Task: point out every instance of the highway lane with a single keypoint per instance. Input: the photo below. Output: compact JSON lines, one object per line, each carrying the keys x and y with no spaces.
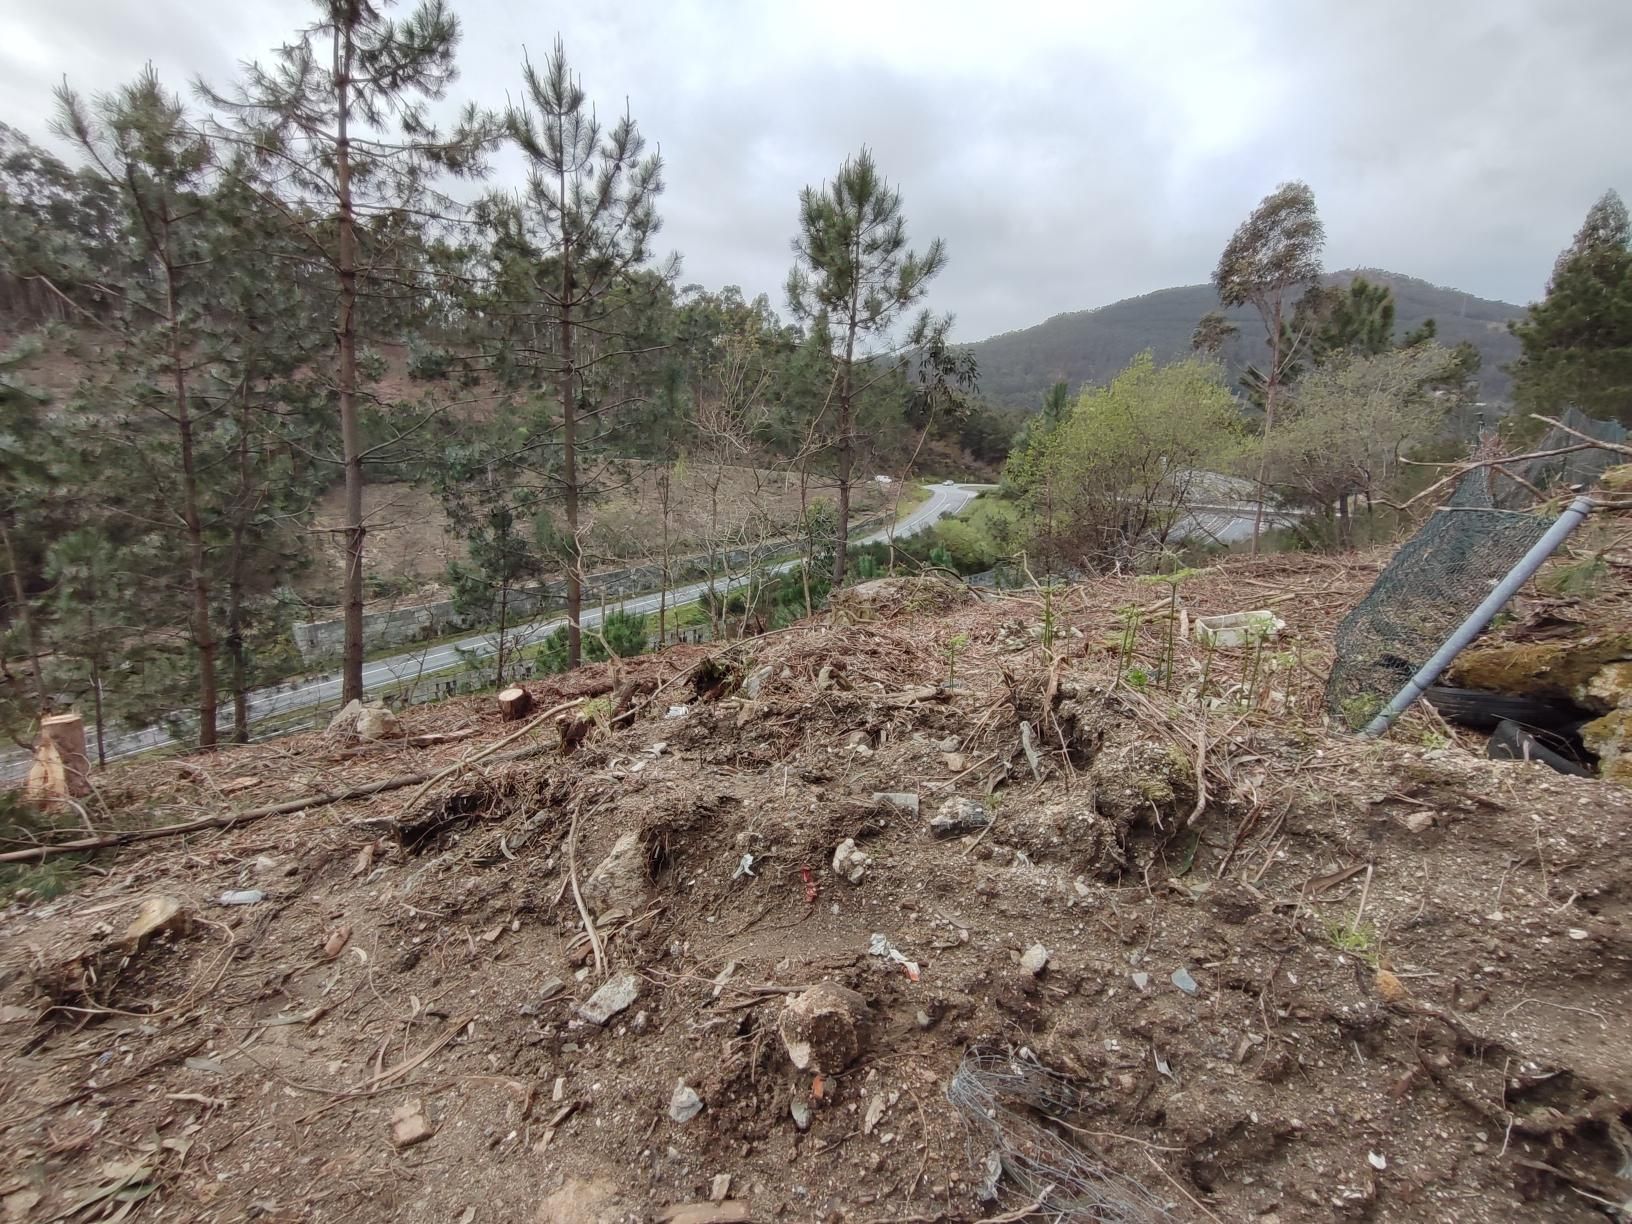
{"x":295,"y":696}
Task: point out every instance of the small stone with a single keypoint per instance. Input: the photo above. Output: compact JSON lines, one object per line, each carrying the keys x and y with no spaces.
{"x":756,"y":681}
{"x":1377,"y":1161}
{"x":1141,"y":980}
{"x":850,"y":862}
{"x":826,"y":1028}
{"x":1183,"y":980}
{"x":720,"y":1189}
{"x":613,"y":997}
{"x":959,"y":815}
{"x":409,"y":1125}
{"x":685,"y":1104}
{"x":1577,"y":933}
{"x":800,"y":1112}
{"x":955,"y":762}
{"x":640,"y":1023}
{"x":1035,"y":959}
{"x":924,"y":1020}
{"x":949,"y":744}
{"x":875,"y":1113}
{"x":1419,"y":822}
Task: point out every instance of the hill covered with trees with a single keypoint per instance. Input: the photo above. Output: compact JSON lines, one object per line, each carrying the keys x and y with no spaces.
{"x":1089,"y":347}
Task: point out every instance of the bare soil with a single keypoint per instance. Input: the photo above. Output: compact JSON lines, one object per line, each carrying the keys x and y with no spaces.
{"x":1410,"y":964}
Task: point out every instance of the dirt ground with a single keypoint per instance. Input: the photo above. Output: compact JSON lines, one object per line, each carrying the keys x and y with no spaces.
{"x":1344,"y":980}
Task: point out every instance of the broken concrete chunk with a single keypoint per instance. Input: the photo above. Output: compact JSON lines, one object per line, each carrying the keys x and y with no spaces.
{"x":825,"y":1029}
{"x":685,"y":1104}
{"x":901,"y":801}
{"x":720,"y":1188}
{"x":800,"y":1113}
{"x":613,"y":997}
{"x":959,"y":815}
{"x":157,"y":914}
{"x":850,"y":862}
{"x":1035,"y":959}
{"x":619,"y":881}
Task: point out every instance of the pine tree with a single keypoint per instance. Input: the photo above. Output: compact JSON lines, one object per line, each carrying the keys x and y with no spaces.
{"x":573,"y":270}
{"x":140,"y":141}
{"x":854,"y":270}
{"x":1577,"y":342}
{"x":340,"y":119}
{"x":1272,"y":258}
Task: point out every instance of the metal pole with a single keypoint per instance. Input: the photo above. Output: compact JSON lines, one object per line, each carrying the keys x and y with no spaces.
{"x":1481,"y":616}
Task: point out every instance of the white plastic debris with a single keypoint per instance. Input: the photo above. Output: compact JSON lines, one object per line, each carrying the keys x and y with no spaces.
{"x":1376,"y":1160}
{"x":242,"y":896}
{"x":677,"y":711}
{"x":878,"y":945}
{"x":745,"y":867}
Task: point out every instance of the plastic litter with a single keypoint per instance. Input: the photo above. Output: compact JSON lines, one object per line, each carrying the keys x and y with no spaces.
{"x":242,"y":896}
{"x":878,"y":945}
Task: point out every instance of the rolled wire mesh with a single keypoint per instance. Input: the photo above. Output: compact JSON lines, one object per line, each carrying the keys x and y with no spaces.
{"x":1436,"y":579}
{"x":1018,"y":1108}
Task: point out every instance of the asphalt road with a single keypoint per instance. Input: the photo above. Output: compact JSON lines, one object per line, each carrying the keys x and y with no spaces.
{"x":298,"y":695}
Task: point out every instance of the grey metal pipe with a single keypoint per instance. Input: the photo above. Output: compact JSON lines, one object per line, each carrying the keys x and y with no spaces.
{"x":1481,"y":616}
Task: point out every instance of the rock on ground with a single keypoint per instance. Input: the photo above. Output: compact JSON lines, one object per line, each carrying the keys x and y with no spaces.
{"x":826,"y":1029}
{"x":619,"y":881}
{"x":613,"y":997}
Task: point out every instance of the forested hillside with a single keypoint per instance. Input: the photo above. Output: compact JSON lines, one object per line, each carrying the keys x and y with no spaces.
{"x":1091,"y":346}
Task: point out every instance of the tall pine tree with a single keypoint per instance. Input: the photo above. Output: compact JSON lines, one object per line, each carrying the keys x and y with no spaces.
{"x":853,"y":269}
{"x":340,"y":119}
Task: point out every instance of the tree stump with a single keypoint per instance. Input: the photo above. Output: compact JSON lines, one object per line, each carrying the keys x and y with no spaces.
{"x":514,"y":703}
{"x":60,"y":769}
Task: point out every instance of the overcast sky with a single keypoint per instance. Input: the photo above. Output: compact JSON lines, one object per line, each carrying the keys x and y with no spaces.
{"x":1069,"y":154}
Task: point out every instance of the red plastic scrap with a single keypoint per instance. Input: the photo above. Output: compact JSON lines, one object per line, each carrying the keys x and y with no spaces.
{"x":812,"y":889}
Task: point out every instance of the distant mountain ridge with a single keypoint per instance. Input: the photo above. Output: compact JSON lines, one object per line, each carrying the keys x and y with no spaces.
{"x":1090,"y":346}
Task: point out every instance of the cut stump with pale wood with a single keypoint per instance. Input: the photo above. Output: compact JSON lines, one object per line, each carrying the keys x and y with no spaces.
{"x":514,"y":703}
{"x":61,"y":769}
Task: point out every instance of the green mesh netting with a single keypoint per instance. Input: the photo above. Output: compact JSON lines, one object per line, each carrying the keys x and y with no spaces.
{"x":1435,"y":580}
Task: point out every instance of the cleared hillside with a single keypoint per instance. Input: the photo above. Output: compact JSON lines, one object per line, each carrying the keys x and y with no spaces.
{"x":1090,"y":346}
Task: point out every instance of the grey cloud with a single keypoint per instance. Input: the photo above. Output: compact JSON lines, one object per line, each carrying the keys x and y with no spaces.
{"x":1069,"y":155}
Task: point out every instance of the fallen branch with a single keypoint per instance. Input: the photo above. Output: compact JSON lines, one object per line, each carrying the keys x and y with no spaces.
{"x":578,"y":897}
{"x":230,"y":820}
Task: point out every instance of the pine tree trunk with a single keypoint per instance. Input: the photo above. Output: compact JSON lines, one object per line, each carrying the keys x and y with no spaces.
{"x":235,"y":585}
{"x":203,"y":635}
{"x":351,"y":681}
{"x":842,"y":531}
{"x":96,"y":701}
{"x":26,"y":616}
{"x":569,"y":461}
